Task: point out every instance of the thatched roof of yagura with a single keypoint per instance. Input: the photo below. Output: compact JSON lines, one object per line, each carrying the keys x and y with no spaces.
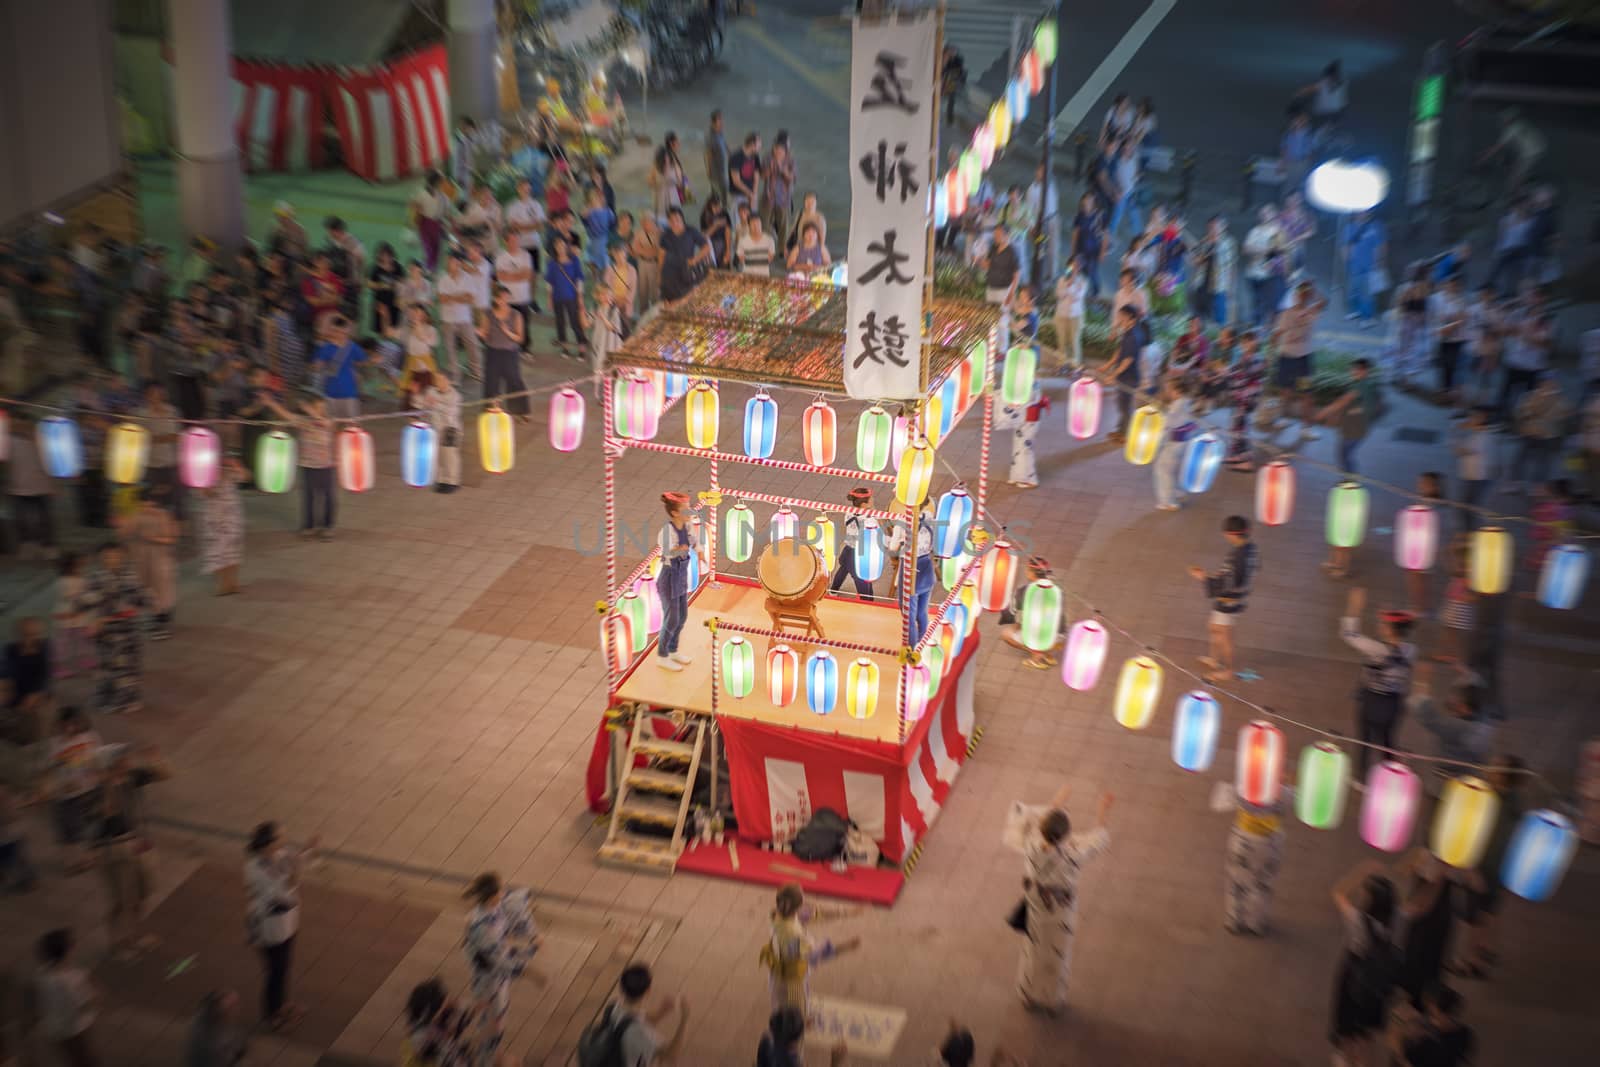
{"x":737,"y":327}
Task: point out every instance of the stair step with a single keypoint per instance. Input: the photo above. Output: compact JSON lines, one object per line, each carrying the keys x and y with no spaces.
{"x":660,"y":746}
{"x":645,"y":808}
{"x":657,"y":781}
{"x":640,"y":852}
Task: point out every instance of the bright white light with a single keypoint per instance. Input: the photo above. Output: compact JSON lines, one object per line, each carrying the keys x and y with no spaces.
{"x":1345,"y":187}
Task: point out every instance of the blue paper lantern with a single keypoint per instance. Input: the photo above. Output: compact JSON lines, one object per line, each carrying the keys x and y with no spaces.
{"x":869,"y":553}
{"x":1539,"y":854}
{"x":822,"y":682}
{"x":676,"y":384}
{"x":60,"y":447}
{"x":1566,"y":569}
{"x":418,"y":443}
{"x":760,"y":426}
{"x":956,"y":616}
{"x":1017,"y":99}
{"x":950,"y":398}
{"x":1201,"y":461}
{"x":941,"y":207}
{"x":1194,"y":736}
{"x":693,"y":570}
{"x":951,"y":522}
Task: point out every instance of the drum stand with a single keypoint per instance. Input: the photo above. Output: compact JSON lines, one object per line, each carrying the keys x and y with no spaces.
{"x":795,"y":616}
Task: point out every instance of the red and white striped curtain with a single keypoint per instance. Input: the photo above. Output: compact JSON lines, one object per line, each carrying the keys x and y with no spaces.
{"x":394,"y":120}
{"x":277,"y":114}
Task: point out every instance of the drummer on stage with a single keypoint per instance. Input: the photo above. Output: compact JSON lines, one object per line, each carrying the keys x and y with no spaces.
{"x":673,"y":583}
{"x":859,"y":497}
{"x":922,"y":584}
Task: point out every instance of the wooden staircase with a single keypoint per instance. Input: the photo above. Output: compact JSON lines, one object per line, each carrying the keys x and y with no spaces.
{"x":656,"y":795}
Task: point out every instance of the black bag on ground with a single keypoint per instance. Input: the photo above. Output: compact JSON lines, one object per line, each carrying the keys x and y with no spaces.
{"x":822,"y":838}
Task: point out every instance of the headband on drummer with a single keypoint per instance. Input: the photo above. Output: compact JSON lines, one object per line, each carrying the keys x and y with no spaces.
{"x":674,"y":501}
{"x":859,"y":497}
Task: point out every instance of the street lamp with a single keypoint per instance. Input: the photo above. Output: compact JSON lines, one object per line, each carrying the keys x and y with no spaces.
{"x":1346,"y":187}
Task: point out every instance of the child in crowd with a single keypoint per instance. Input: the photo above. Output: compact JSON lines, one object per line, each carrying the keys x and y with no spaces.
{"x":605,"y":334}
{"x":1024,"y":316}
{"x":1011,"y":621}
{"x":1229,"y":590}
{"x":1458,"y":614}
{"x":597,"y":222}
{"x":1180,"y":427}
{"x":441,"y":401}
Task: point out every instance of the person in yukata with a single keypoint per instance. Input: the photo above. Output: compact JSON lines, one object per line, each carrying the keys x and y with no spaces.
{"x":1054,"y":859}
{"x":859,"y":497}
{"x":791,"y":951}
{"x":500,"y":941}
{"x":1255,"y":849}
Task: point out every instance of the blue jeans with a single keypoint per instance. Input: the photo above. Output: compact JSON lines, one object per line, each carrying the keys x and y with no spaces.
{"x":922,"y":584}
{"x":674,"y":610}
{"x":1129,"y":206}
{"x":1362,"y":305}
{"x":1347,"y":453}
{"x":1219,"y":309}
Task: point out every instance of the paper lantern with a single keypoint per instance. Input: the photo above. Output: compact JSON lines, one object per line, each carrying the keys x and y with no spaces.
{"x":1144,"y":436}
{"x":1464,"y":821}
{"x":861,"y":689}
{"x":968,"y":598}
{"x":418,"y":449}
{"x":870,"y":552}
{"x":941,"y":205}
{"x":616,"y":641}
{"x":1083,"y":408}
{"x":1275,"y":493}
{"x":275,"y":462}
{"x":997,"y":574}
{"x":932,"y":417}
{"x":983,"y":144}
{"x":1321,"y":785}
{"x":1044,"y":39}
{"x":1489,"y":562}
{"x":952,"y":521}
{"x":1018,"y":97}
{"x":739,"y":533}
{"x":785,"y":523}
{"x":873,"y":431}
{"x":1416,"y":537}
{"x":701,"y":410}
{"x":952,"y":398}
{"x":915,"y":676}
{"x":633,"y":607}
{"x":934,"y":659}
{"x":971,"y":170}
{"x":899,"y":437}
{"x":1000,"y":122}
{"x":675,"y":384}
{"x":637,"y":400}
{"x":1033,"y":70}
{"x":916,"y":473}
{"x":760,"y":426}
{"x":783,"y":675}
{"x":823,"y":535}
{"x":1540,"y":852}
{"x":1041,"y":615}
{"x":1194,"y":730}
{"x":127,"y":449}
{"x":651,"y":596}
{"x":1138,"y":689}
{"x":955,"y":618}
{"x":1202,"y":458}
{"x":963,"y":374}
{"x":358,"y":467}
{"x":1086,"y":654}
{"x":978,"y":360}
{"x":199,"y":457}
{"x":1566,"y":568}
{"x":1347,"y":514}
{"x":1258,"y":764}
{"x":1016,"y":380}
{"x":951,"y":568}
{"x":955,"y":184}
{"x":566,"y":419}
{"x":822,"y":682}
{"x":1390,"y":805}
{"x":819,"y":429}
{"x":692,"y":577}
{"x":497,"y":444}
{"x":738,"y":667}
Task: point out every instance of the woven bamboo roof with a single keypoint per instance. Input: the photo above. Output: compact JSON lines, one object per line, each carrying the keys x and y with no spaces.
{"x":737,"y":327}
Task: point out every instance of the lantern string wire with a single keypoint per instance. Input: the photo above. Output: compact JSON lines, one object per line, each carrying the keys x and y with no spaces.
{"x":1151,"y":650}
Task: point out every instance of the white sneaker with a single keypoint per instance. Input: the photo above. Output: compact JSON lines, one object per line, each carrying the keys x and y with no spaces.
{"x":667,"y":664}
{"x":679,"y":657}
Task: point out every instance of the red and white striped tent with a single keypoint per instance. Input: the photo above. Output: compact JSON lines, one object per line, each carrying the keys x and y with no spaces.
{"x":277,"y":114}
{"x":394,"y":120}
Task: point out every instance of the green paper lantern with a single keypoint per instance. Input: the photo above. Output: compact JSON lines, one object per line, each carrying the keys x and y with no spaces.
{"x":874,"y":431}
{"x":275,"y":462}
{"x":1041,"y":615}
{"x":971,"y":170}
{"x":1045,"y":40}
{"x":979,"y":358}
{"x":950,"y":568}
{"x":1321,"y":786}
{"x":738,"y":667}
{"x":637,"y":611}
{"x":1347,"y":514}
{"x":739,"y":533}
{"x":1016,"y":387}
{"x":933,"y":659}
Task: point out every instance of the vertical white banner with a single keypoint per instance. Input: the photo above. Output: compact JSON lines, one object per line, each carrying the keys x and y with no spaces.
{"x":892,"y":74}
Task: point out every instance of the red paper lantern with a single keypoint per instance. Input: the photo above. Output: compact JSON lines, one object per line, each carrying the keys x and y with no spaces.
{"x":997,"y":574}
{"x":1275,"y":493}
{"x":357,"y":465}
{"x":820,"y":431}
{"x":1033,"y":70}
{"x":1259,"y":767}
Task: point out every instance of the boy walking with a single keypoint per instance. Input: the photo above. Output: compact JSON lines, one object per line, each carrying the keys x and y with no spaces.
{"x":1229,"y":588}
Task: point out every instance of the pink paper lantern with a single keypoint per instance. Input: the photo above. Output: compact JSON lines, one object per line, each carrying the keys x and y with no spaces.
{"x":1389,"y":807}
{"x":1083,"y":408}
{"x":566,"y":419}
{"x":1085,"y":655}
{"x":1259,"y":763}
{"x":199,"y":457}
{"x":1416,"y":537}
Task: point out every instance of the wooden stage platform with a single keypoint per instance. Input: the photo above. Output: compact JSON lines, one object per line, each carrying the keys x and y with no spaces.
{"x":845,"y":619}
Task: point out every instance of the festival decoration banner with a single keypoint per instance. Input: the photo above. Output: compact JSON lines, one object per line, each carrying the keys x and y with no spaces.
{"x":891,"y":130}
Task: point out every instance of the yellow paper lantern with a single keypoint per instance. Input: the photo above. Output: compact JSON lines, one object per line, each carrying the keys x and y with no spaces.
{"x":1464,"y":821}
{"x":127,"y":449}
{"x":916,"y":473}
{"x":701,"y":412}
{"x":823,"y":536}
{"x":1137,"y":692}
{"x":1489,"y":569}
{"x":1144,"y":436}
{"x":861,"y":689}
{"x":496,"y":442}
{"x":1000,"y":123}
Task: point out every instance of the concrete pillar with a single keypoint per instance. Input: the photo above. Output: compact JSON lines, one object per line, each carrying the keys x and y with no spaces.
{"x":474,"y":47}
{"x":210,"y":182}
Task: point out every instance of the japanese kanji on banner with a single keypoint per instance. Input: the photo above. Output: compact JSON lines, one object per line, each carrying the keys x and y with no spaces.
{"x":891,"y":131}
